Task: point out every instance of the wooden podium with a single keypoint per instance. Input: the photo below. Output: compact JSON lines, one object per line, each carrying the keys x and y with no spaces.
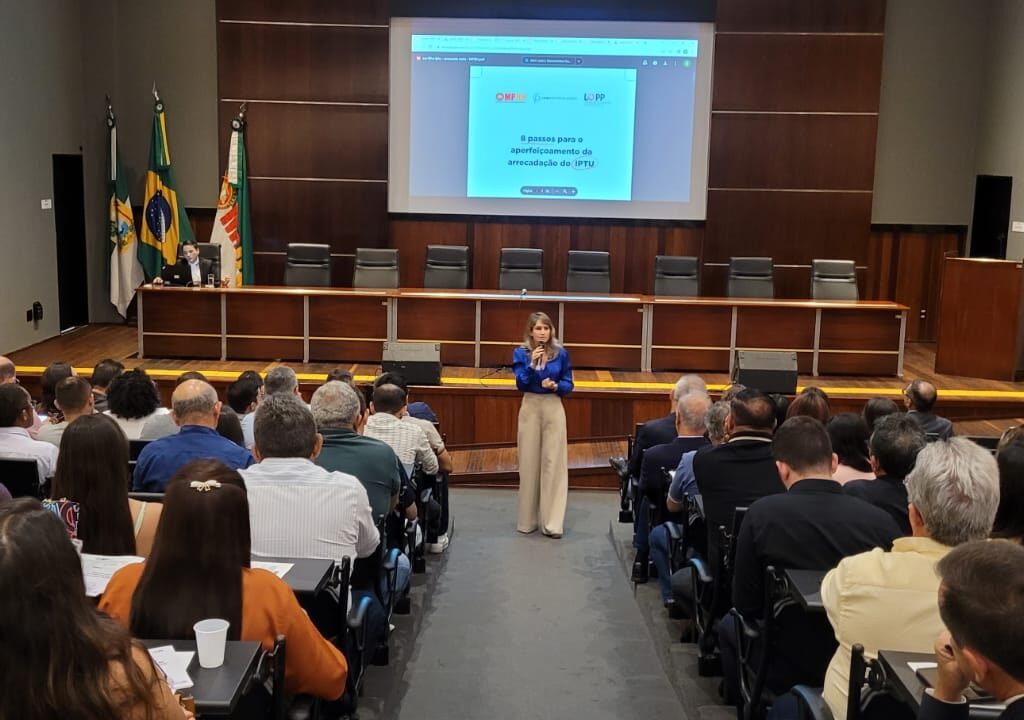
{"x":980,"y":320}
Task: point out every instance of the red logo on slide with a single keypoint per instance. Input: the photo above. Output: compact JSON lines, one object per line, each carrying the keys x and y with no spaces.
{"x":516,"y":97}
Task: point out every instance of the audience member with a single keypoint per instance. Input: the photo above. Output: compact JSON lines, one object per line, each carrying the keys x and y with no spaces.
{"x":407,"y":440}
{"x":74,"y":398}
{"x":53,"y":374}
{"x":781,"y":407}
{"x":418,"y":410}
{"x":132,"y":400}
{"x":244,"y":395}
{"x":661,"y":430}
{"x":16,"y":417}
{"x":160,"y":426}
{"x":732,"y":391}
{"x":229,"y":426}
{"x":92,"y":472}
{"x":849,"y":435}
{"x":740,"y":471}
{"x":60,"y":657}
{"x":196,"y":410}
{"x":200,"y":568}
{"x":877,"y":408}
{"x":689,"y":424}
{"x":1009,"y":522}
{"x":102,"y":374}
{"x":811,"y":402}
{"x":444,"y":460}
{"x":920,"y":397}
{"x":887,"y":599}
{"x":981,"y":600}
{"x":8,"y":373}
{"x":894,"y":446}
{"x":282,"y":381}
{"x":339,"y":375}
{"x":812,"y":526}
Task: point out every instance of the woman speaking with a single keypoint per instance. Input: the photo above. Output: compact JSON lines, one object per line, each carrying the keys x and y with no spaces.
{"x":544,"y":375}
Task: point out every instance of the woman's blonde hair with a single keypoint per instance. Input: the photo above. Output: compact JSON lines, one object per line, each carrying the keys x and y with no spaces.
{"x":554,"y":346}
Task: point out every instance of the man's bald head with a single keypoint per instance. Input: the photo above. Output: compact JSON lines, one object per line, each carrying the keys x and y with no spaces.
{"x":194,"y":402}
{"x":7,"y":371}
{"x":690,"y":411}
{"x":921,"y":396}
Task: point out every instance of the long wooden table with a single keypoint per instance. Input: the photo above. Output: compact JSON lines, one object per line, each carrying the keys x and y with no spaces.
{"x":481,"y":328}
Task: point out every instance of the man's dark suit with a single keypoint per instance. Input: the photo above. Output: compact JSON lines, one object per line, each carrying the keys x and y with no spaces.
{"x":184,"y":272}
{"x":651,"y":433}
{"x":933,"y":424}
{"x":652,"y":485}
{"x":886,"y":492}
{"x":932,"y":709}
{"x":811,"y":527}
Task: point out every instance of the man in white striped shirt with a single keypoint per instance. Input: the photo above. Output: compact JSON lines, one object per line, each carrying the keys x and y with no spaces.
{"x":407,"y":440}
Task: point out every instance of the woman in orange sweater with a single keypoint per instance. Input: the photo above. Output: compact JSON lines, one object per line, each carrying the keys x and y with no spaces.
{"x":199,"y":568}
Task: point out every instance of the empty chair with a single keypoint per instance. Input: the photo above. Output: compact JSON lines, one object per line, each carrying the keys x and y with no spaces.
{"x":751,"y":277}
{"x":833,"y":280}
{"x":676,"y":275}
{"x":588,"y":272}
{"x":447,"y":267}
{"x":308,"y":264}
{"x":521,"y":268}
{"x":376,"y":268}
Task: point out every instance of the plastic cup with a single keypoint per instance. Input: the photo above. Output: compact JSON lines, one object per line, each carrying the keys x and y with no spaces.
{"x":211,"y":638}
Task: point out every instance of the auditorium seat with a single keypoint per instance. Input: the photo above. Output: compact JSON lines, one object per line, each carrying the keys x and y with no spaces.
{"x":521,"y":268}
{"x":833,"y":280}
{"x":376,"y":268}
{"x":308,"y":264}
{"x":676,"y":275}
{"x":588,"y":272}
{"x":211,"y":252}
{"x":447,"y":267}
{"x":751,"y":277}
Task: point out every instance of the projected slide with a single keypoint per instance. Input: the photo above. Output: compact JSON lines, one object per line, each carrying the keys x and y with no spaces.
{"x":551,"y":133}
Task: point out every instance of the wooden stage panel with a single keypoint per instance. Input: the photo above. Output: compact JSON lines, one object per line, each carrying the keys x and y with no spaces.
{"x":201,"y":347}
{"x":498,"y":355}
{"x":860,"y":330}
{"x":345,"y":351}
{"x":437,"y":320}
{"x":849,"y":362}
{"x":691,"y":326}
{"x":603,"y":324}
{"x":505,"y":320}
{"x":604,"y":357}
{"x":258,"y":348}
{"x":781,"y":328}
{"x":461,"y":354}
{"x":264,"y":316}
{"x":695,"y":359}
{"x":348,"y":316}
{"x":182,"y":310}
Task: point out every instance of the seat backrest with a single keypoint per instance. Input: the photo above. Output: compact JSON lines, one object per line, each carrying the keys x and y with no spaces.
{"x":211,"y":252}
{"x":833,"y":280}
{"x":588,"y":272}
{"x":447,"y":267}
{"x":751,"y":277}
{"x":376,"y":268}
{"x":676,"y":275}
{"x":308,"y":264}
{"x":20,"y":476}
{"x":521,"y":268}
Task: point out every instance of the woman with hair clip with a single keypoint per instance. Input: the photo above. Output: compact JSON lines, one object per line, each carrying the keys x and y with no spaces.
{"x":92,"y":473}
{"x":60,"y":658}
{"x":544,"y":375}
{"x":199,"y":568}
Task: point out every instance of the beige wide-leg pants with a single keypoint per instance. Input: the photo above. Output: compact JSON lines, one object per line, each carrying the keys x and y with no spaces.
{"x":543,"y":464}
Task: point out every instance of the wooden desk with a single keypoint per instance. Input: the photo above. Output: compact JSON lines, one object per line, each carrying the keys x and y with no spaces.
{"x":218,"y":690}
{"x":903,"y":683}
{"x":481,"y":328}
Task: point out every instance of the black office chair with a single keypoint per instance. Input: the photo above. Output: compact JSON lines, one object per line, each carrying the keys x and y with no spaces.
{"x":272,"y":670}
{"x":447,"y":267}
{"x":308,"y":264}
{"x":712,"y":593}
{"x":211,"y":252}
{"x":833,"y":280}
{"x":521,"y":269}
{"x":676,"y":275}
{"x":755,"y":637}
{"x":375,"y":268}
{"x":751,"y":277}
{"x":20,"y":477}
{"x":588,"y":272}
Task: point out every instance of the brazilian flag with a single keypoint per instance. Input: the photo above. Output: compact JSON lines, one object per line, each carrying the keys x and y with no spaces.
{"x":165,"y":224}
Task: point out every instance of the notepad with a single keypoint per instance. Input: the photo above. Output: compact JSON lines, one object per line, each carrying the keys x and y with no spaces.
{"x":98,"y":569}
{"x":278,"y":568}
{"x":174,"y":665}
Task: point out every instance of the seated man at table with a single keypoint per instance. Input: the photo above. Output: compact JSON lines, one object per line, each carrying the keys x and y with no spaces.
{"x":981,"y":601}
{"x":886,"y":600}
{"x":196,"y":410}
{"x":812,"y":526}
{"x":190,"y":270}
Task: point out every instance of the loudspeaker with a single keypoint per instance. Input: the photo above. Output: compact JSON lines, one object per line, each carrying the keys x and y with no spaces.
{"x":418,"y":362}
{"x":767,"y":371}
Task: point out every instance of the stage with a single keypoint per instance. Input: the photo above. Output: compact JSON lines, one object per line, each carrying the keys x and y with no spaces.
{"x":478,"y":406}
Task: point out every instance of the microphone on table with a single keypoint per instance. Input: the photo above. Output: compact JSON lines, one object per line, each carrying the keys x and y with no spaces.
{"x":522,"y":294}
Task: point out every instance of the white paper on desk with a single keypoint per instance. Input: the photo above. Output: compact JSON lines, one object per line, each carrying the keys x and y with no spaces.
{"x":279,"y":569}
{"x":174,"y":665}
{"x":98,"y":569}
{"x":915,"y":666}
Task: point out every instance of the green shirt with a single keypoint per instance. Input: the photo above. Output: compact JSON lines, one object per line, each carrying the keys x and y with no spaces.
{"x":370,"y":460}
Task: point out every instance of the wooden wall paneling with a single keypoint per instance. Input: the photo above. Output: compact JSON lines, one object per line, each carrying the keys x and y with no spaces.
{"x":184,"y":310}
{"x":264,"y":315}
{"x":292,"y":59}
{"x":880,"y":283}
{"x":376,"y":12}
{"x":865,"y":330}
{"x":683,"y":241}
{"x":781,"y":328}
{"x":793,"y":151}
{"x":797,"y":72}
{"x":821,"y":16}
{"x":555,"y":240}
{"x":638,"y":246}
{"x":411,"y":237}
{"x":182,"y":346}
{"x":919,"y":279}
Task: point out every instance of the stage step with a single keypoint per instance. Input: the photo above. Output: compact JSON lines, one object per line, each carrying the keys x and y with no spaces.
{"x":498,"y":466}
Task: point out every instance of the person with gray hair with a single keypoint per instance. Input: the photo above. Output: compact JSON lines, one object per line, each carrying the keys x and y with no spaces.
{"x":888,"y":599}
{"x":282,"y":380}
{"x":196,"y":410}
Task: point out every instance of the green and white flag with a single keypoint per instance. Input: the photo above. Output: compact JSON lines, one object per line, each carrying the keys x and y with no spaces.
{"x":125,"y":270}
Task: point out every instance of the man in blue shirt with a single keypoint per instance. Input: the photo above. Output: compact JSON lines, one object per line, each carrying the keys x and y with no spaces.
{"x":195,"y":409}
